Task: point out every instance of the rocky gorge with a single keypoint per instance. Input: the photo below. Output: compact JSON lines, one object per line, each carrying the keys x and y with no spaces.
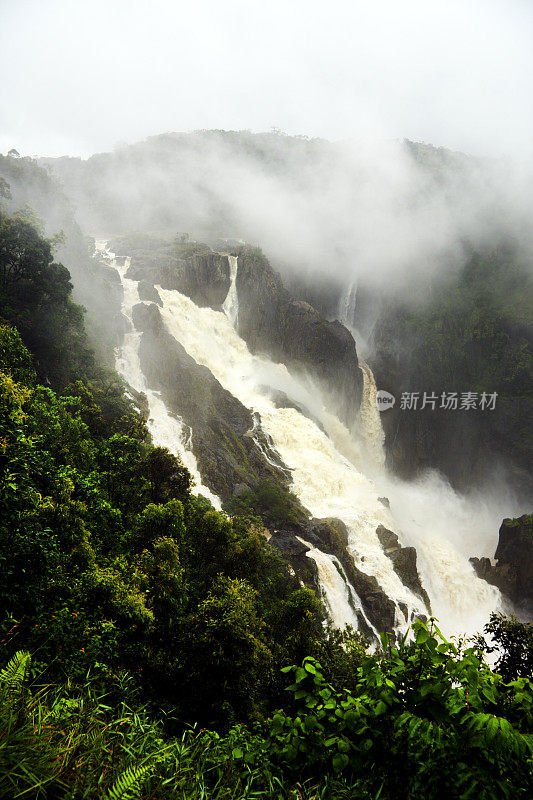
{"x":236,"y":454}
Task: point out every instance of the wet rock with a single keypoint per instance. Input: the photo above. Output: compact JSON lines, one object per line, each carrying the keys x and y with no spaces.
{"x":227,"y":455}
{"x":405,"y":611}
{"x":287,"y":543}
{"x":503,"y":576}
{"x":294,"y":551}
{"x":294,"y":333}
{"x":110,"y":274}
{"x":404,"y":562}
{"x":204,"y":277}
{"x":515,"y":548}
{"x":148,"y":292}
{"x":331,"y":536}
{"x":513,"y":572}
{"x":384,"y":501}
{"x":147,"y":319}
{"x":387,"y":539}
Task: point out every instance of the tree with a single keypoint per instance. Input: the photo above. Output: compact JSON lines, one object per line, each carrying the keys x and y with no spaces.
{"x":4,"y":189}
{"x":514,"y":643}
{"x":27,"y":267}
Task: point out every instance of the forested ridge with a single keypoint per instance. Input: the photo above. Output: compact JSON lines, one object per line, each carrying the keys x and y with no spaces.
{"x":148,"y":640}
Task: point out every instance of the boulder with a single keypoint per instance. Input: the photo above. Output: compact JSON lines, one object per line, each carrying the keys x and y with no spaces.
{"x":288,"y":544}
{"x":404,"y":562}
{"x":149,"y":293}
{"x":147,"y":319}
{"x":204,"y":277}
{"x":515,"y":549}
{"x":110,"y":274}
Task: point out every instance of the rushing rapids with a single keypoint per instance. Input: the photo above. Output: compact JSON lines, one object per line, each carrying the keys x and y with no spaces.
{"x":166,"y":429}
{"x":334,"y":474}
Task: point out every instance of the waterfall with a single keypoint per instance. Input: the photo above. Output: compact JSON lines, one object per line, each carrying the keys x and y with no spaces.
{"x":230,"y":305}
{"x":331,"y":469}
{"x":341,"y":600}
{"x":166,"y":429}
{"x":370,"y":428}
{"x":328,"y":471}
{"x":347,"y":306}
{"x":334,"y":588}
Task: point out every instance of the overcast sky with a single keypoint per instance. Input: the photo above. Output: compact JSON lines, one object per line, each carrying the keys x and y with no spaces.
{"x":80,"y":76}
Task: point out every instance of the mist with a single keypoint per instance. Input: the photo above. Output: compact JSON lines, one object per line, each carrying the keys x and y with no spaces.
{"x":84,"y":76}
{"x":383,"y":212}
{"x":357,"y":206}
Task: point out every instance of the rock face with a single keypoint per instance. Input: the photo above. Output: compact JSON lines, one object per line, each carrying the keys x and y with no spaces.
{"x":225,"y":432}
{"x":149,"y":293}
{"x":291,"y":331}
{"x":404,"y":563}
{"x":331,"y":536}
{"x":204,"y":277}
{"x":293,"y":551}
{"x":513,"y":571}
{"x":269,"y":320}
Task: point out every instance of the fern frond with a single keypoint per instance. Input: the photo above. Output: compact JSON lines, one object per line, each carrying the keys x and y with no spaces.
{"x":13,"y":674}
{"x":128,"y":784}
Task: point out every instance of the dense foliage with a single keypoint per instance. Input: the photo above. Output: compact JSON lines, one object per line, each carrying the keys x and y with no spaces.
{"x":268,"y":501}
{"x":131,"y":609}
{"x":424,"y":719}
{"x":468,"y":332}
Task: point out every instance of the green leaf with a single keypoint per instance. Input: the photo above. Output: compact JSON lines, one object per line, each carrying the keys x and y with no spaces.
{"x":492,"y":729}
{"x":343,"y":746}
{"x":422,"y":636}
{"x":310,"y":723}
{"x":340,"y":761}
{"x":300,"y":675}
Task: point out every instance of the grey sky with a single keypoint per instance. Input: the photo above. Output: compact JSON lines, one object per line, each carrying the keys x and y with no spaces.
{"x":79,"y":76}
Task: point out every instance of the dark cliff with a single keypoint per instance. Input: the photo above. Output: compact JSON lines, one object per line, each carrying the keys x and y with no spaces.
{"x":513,"y":571}
{"x":292,"y":331}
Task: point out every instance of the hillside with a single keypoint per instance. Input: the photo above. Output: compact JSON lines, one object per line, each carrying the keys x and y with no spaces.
{"x":130,"y":607}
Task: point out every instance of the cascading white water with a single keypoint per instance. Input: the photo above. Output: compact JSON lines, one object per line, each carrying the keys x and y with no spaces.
{"x":370,"y":427}
{"x":327,"y":471}
{"x":230,"y":305}
{"x":347,"y":305}
{"x":334,"y":587}
{"x":340,"y":598}
{"x":166,"y":430}
{"x":328,"y":467}
{"x":325,"y":481}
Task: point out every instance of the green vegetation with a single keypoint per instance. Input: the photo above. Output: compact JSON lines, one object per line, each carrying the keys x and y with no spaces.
{"x":469,"y":333}
{"x":471,"y":330}
{"x":268,"y":501}
{"x":132,"y":612}
{"x":425,"y":719}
